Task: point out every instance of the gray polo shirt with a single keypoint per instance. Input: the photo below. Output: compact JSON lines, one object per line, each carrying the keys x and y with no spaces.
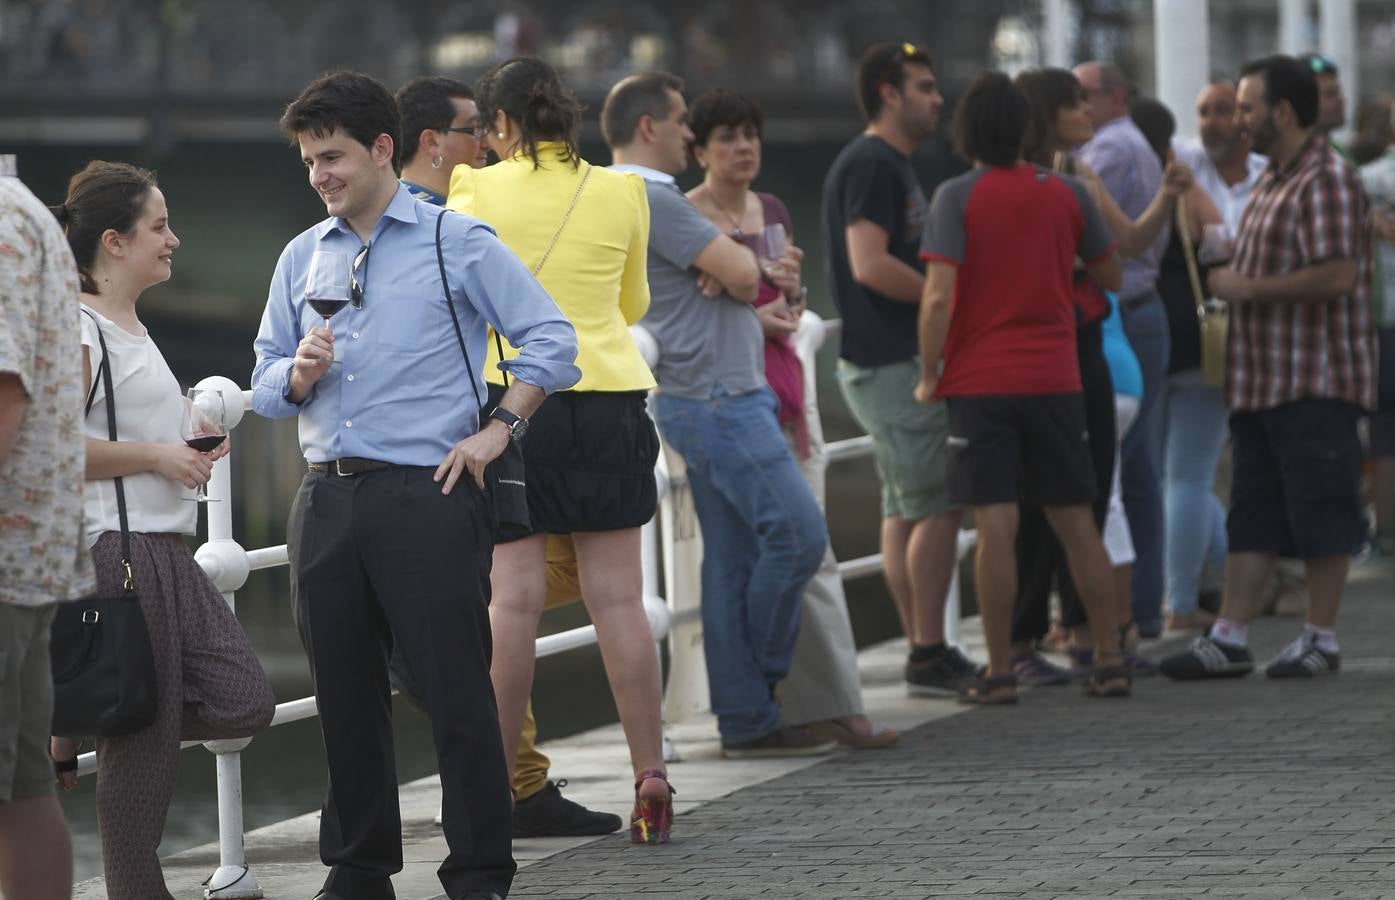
{"x":705,"y":343}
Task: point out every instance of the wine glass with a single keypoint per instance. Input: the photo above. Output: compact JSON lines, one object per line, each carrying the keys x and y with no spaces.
{"x":773,"y":241}
{"x":205,"y":426}
{"x":327,"y":286}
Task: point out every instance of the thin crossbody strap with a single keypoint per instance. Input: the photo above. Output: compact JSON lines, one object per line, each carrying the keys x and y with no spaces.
{"x":128,"y":583}
{"x":498,"y":342}
{"x":1189,"y":253}
{"x":454,"y":319}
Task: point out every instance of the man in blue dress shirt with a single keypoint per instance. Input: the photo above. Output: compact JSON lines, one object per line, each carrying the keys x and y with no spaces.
{"x":390,"y":534}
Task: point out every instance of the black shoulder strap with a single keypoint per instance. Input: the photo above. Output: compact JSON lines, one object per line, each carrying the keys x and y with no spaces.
{"x":105,"y":370}
{"x":455,"y":320}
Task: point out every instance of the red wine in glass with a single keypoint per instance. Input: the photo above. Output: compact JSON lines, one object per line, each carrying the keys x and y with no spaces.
{"x":326,"y":306}
{"x":205,"y":426}
{"x":205,"y":443}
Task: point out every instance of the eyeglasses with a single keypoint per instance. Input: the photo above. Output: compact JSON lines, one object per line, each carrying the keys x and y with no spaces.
{"x":476,"y":131}
{"x":906,"y":51}
{"x":355,"y":286}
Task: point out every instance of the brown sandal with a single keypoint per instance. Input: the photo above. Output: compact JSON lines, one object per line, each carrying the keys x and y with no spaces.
{"x":985,"y":690}
{"x":1097,"y":685}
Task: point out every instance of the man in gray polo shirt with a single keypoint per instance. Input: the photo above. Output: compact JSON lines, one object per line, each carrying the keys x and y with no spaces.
{"x":763,"y":533}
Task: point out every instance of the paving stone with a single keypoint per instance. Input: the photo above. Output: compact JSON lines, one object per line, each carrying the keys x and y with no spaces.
{"x":1244,"y":788}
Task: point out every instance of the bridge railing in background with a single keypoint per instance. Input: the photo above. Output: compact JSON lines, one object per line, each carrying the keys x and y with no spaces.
{"x":673,"y":550}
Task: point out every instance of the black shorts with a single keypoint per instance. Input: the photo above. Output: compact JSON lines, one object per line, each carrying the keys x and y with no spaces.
{"x":590,"y":458}
{"x":1295,"y":485}
{"x":1019,"y":449}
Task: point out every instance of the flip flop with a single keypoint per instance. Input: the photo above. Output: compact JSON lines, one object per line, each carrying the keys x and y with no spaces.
{"x":833,"y":730}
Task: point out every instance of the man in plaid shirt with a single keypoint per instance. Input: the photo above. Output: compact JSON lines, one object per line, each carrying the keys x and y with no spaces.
{"x":1301,"y":370}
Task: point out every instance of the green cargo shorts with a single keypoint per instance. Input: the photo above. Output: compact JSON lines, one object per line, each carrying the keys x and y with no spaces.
{"x":908,"y":439}
{"x":26,"y":702}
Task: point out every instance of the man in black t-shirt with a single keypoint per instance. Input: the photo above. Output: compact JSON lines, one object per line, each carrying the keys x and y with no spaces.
{"x":873,"y":213}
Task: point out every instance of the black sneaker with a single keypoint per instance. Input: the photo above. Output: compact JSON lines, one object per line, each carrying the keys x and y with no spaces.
{"x":548,"y":814}
{"x":783,"y":741}
{"x":941,"y":674}
{"x":1206,"y":658}
{"x":1304,"y":659}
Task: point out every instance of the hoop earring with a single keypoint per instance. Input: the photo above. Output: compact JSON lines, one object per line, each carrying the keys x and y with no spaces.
{"x":436,"y":162}
{"x":501,"y":135}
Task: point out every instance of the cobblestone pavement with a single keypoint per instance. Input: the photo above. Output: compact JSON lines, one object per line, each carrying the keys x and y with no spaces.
{"x":1245,"y":788}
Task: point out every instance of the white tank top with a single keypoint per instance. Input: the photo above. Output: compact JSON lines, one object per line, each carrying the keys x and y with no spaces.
{"x":149,"y":408}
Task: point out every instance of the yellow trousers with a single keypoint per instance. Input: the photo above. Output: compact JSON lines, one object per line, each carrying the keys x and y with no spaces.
{"x":563,"y":587}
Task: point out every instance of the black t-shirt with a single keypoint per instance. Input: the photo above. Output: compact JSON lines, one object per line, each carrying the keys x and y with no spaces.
{"x":872,"y":180}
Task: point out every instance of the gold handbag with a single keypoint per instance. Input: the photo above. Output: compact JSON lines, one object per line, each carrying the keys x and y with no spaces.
{"x":1213,"y":316}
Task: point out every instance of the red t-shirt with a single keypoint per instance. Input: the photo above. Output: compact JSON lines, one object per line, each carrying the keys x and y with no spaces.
{"x":1013,"y":233}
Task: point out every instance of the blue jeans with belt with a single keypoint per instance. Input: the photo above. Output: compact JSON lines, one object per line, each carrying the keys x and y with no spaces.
{"x":1145,"y":324}
{"x":763,"y":538}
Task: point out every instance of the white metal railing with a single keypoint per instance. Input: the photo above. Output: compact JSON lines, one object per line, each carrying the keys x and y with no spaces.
{"x":227,"y":565}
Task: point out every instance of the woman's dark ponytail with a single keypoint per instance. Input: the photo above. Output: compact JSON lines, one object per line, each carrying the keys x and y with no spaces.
{"x":103,"y":196}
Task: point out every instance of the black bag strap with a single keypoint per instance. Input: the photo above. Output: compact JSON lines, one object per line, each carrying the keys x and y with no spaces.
{"x":455,"y":320}
{"x":128,"y":583}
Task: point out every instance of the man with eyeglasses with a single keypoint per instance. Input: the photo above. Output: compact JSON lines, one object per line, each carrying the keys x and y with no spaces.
{"x":390,"y":534}
{"x":440,"y":130}
{"x":425,"y":103}
{"x":1132,"y":173}
{"x":874,"y":211}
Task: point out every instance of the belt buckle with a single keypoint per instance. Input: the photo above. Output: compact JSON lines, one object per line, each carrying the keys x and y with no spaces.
{"x":339,"y":469}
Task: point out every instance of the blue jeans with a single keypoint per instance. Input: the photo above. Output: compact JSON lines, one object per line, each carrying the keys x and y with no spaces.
{"x":1146,"y":328}
{"x":763,"y":538}
{"x":1196,"y":430}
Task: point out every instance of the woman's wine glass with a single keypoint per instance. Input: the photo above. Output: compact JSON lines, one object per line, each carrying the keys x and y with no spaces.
{"x":205,"y":426}
{"x":773,"y":241}
{"x":327,"y":286}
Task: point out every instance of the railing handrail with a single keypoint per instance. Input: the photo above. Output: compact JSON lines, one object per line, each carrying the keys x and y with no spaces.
{"x":227,"y":565}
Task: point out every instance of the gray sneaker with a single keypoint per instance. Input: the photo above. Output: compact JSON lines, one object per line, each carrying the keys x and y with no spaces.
{"x":783,"y":741}
{"x":1303,"y":659}
{"x":941,"y":674}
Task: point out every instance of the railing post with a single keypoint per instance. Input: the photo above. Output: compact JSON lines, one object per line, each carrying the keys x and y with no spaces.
{"x":225,"y":562}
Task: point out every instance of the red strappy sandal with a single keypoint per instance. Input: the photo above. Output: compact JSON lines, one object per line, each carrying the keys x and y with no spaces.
{"x":652,"y":819}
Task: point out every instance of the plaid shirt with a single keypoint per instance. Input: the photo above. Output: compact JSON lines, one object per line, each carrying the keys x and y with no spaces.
{"x":1313,"y":211}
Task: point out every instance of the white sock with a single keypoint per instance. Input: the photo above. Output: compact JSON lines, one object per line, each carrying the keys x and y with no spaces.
{"x":1230,"y":633}
{"x":1324,"y":638}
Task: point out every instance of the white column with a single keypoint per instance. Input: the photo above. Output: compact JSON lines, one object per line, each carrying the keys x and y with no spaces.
{"x":1057,"y":19}
{"x":1182,"y":48}
{"x":1293,"y":27}
{"x":1337,"y":32}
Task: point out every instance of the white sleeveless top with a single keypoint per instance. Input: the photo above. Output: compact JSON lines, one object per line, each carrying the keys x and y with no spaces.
{"x":149,"y":408}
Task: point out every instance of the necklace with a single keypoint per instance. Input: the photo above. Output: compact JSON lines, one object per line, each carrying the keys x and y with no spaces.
{"x":735,"y":222}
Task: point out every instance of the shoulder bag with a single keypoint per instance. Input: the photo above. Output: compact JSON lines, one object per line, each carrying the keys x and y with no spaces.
{"x":505,"y":479}
{"x":1212,"y":315}
{"x":103,"y":665}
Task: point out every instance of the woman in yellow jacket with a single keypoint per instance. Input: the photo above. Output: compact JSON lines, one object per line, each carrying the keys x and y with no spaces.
{"x":590,"y":451}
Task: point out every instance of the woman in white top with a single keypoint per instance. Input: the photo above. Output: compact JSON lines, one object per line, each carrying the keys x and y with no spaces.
{"x":209,"y":684}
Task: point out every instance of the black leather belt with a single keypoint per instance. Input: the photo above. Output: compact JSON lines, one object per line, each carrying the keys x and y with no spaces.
{"x":350,"y":465}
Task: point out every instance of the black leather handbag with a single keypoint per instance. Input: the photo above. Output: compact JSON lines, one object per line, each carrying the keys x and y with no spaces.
{"x":505,"y":479}
{"x":103,"y":665}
